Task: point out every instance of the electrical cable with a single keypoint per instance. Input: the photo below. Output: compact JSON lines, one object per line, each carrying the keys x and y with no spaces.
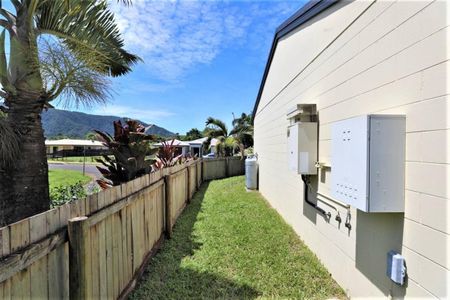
{"x":306,"y":187}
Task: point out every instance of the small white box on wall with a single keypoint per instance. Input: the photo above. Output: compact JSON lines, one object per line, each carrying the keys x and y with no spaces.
{"x":302,"y":147}
{"x":396,"y":267}
{"x":368,"y":162}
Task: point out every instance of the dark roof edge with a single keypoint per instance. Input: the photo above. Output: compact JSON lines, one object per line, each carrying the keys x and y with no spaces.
{"x":304,"y":14}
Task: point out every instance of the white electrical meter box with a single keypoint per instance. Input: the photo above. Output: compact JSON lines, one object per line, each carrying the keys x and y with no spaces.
{"x":302,"y":147}
{"x":368,"y":162}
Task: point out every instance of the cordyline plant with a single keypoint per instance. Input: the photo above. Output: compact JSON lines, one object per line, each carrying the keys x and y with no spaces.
{"x":130,"y":147}
{"x":166,"y":156}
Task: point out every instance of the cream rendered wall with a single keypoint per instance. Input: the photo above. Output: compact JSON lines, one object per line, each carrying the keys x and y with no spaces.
{"x":358,"y":58}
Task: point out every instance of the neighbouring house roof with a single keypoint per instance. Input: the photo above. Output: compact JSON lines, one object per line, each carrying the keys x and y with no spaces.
{"x":202,"y":140}
{"x":304,"y":14}
{"x":197,"y":142}
{"x":176,"y":143}
{"x":70,"y":142}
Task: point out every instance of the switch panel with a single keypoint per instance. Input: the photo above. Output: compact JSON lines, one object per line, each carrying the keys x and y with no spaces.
{"x":302,"y":147}
{"x":368,"y":162}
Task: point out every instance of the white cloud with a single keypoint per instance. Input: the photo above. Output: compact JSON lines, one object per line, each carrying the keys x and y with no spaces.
{"x":148,"y":116}
{"x":174,"y":36}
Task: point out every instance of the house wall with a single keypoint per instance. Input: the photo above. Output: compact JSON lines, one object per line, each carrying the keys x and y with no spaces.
{"x":384,"y":57}
{"x":60,"y":148}
{"x":70,"y":147}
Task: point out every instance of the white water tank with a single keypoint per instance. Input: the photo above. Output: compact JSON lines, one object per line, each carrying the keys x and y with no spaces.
{"x":251,"y":172}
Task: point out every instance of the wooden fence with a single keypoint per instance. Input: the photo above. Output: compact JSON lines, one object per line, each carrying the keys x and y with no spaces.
{"x":222,"y":167}
{"x":98,"y":246}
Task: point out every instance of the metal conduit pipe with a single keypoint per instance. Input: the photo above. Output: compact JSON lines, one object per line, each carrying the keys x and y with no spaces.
{"x":327,"y":199}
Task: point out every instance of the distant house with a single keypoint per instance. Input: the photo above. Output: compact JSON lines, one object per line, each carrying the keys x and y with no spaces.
{"x":71,"y":147}
{"x":194,"y":147}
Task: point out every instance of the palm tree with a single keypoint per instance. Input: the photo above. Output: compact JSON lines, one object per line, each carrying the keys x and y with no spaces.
{"x":57,"y":48}
{"x":243,"y":132}
{"x":217,"y":129}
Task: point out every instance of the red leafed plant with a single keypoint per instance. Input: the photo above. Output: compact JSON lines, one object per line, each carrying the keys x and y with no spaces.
{"x":130,"y":147}
{"x":166,"y":156}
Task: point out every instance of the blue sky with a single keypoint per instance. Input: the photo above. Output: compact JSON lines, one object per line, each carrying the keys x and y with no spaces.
{"x":201,"y":58}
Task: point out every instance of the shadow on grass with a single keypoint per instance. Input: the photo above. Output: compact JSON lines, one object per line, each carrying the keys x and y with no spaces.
{"x":166,"y":278}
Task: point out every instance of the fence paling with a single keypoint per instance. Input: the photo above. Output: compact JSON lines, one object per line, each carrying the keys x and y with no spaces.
{"x":222,"y":167}
{"x":16,"y":263}
{"x":124,"y":224}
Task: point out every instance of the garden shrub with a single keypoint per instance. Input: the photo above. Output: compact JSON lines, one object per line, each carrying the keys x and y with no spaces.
{"x":66,"y":193}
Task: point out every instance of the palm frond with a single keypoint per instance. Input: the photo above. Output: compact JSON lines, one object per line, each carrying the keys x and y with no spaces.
{"x":218,"y":127}
{"x":242,"y":129}
{"x":73,"y":81}
{"x":89,"y":30}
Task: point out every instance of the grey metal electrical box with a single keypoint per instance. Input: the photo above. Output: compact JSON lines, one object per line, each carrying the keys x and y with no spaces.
{"x":302,"y":147}
{"x":396,"y":267}
{"x":368,"y":162}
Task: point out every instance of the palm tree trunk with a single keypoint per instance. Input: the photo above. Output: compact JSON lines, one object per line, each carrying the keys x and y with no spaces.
{"x":25,"y":185}
{"x":5,"y":194}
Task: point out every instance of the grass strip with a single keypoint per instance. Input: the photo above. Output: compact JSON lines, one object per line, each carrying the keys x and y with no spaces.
{"x":230,"y":244}
{"x":61,"y":177}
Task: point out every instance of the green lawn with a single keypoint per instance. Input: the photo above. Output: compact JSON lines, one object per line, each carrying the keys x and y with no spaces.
{"x":58,"y":177}
{"x":229,"y":244}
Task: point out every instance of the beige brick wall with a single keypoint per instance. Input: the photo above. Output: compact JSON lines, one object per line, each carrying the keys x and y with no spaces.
{"x":357,"y":58}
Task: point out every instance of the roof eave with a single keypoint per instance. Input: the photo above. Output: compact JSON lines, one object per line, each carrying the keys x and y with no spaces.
{"x":304,"y":14}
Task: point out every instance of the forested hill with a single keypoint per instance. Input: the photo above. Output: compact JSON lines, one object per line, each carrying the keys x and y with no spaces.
{"x":72,"y":124}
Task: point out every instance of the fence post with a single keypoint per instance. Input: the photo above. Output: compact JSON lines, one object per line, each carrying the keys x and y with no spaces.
{"x":188,"y":184}
{"x":203,"y":170}
{"x":168,"y":205}
{"x":227,"y":167}
{"x":196,"y":176}
{"x":79,"y":258}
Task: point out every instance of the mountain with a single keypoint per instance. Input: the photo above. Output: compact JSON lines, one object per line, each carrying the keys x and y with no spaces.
{"x":77,"y":125}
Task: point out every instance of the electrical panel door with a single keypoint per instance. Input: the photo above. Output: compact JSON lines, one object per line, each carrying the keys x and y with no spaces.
{"x":350,"y":161}
{"x":368,"y":162}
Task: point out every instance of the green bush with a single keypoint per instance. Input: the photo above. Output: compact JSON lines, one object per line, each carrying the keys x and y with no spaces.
{"x":66,"y":193}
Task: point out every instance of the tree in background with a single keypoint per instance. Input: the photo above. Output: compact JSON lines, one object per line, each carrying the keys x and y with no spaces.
{"x":193,"y":134}
{"x":92,"y":136}
{"x":59,"y":136}
{"x":57,"y":50}
{"x":243,"y":132}
{"x":239,"y":138}
{"x":226,"y":144}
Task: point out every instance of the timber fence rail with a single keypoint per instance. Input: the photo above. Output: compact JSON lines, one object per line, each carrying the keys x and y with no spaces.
{"x":98,"y":246}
